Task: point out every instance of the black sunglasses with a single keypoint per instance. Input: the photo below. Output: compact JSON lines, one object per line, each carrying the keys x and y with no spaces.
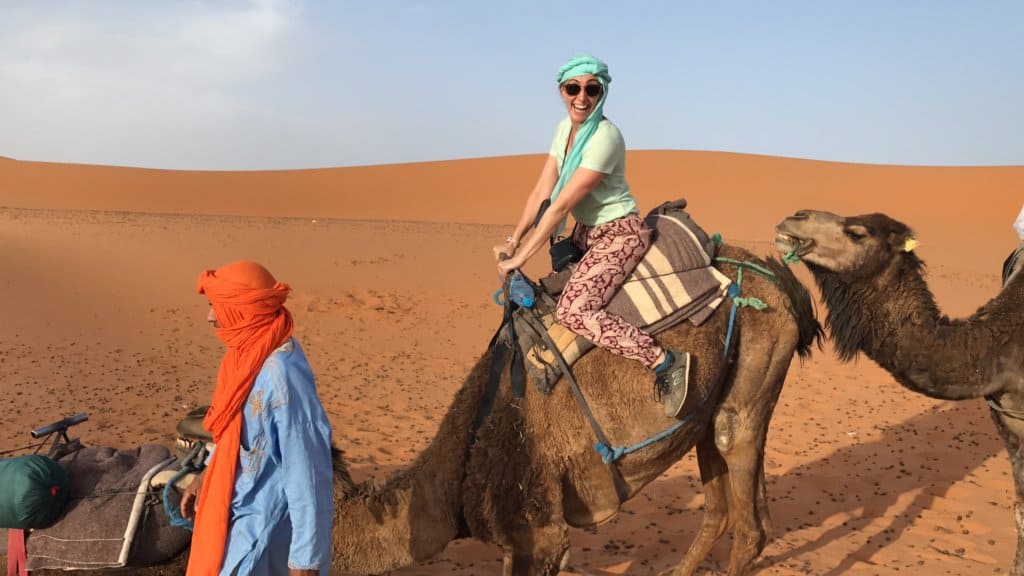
{"x":592,"y":90}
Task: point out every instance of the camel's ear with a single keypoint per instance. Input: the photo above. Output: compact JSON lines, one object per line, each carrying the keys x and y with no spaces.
{"x":909,"y":244}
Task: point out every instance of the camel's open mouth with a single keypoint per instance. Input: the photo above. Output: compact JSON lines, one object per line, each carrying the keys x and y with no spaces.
{"x":792,"y":244}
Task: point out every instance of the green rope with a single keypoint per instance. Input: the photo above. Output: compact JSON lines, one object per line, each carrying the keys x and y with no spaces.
{"x":739,"y":301}
{"x":743,"y":264}
{"x":752,"y":302}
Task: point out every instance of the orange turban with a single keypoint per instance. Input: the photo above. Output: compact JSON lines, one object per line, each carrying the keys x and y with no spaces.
{"x":249,"y":305}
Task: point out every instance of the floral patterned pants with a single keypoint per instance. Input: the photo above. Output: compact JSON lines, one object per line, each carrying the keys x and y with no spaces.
{"x":611,"y":252}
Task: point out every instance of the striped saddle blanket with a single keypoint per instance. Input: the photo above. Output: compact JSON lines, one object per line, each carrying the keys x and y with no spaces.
{"x":674,"y":282}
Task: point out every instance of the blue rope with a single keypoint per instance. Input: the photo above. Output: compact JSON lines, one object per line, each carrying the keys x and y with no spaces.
{"x":734,"y":292}
{"x":610,"y":454}
{"x":175,"y":516}
{"x":177,"y":519}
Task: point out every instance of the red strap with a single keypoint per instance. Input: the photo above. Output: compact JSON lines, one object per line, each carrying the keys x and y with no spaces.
{"x":17,"y":562}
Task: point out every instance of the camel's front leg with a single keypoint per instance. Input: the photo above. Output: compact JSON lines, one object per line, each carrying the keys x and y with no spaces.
{"x":1017,"y":465}
{"x":715,"y":477}
{"x":741,"y":432}
{"x":537,"y":551}
{"x":742,"y":452}
{"x":1018,"y":561}
{"x":1015,"y":447}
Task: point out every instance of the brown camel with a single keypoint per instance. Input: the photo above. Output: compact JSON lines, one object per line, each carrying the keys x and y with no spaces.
{"x":879,"y":303}
{"x":530,"y":471}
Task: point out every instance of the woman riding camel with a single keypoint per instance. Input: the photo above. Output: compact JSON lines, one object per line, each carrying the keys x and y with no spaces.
{"x":585,"y":174}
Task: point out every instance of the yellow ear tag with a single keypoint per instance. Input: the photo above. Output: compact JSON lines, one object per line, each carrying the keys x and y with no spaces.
{"x":910,"y":244}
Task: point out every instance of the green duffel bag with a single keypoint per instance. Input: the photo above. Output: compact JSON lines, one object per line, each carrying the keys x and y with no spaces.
{"x":33,"y":491}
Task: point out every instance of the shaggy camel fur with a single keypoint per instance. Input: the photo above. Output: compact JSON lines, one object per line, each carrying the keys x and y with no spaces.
{"x":530,"y":471}
{"x":879,"y":303}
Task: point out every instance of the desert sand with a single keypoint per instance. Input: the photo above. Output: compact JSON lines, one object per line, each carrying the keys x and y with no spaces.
{"x":393,"y":276}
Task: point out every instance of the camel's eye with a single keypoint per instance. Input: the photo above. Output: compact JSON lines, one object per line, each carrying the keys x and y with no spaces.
{"x":855,"y":233}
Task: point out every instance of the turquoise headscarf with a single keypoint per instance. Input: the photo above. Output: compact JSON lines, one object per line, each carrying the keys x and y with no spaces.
{"x":579,"y":66}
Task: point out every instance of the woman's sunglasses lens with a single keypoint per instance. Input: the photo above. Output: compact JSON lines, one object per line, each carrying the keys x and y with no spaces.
{"x":593,"y":90}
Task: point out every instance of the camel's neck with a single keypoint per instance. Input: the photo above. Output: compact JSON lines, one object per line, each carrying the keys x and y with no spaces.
{"x":893,"y":318}
{"x":417,"y":512}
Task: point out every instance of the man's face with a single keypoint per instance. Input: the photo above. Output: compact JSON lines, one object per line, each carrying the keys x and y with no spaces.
{"x":212,"y":318}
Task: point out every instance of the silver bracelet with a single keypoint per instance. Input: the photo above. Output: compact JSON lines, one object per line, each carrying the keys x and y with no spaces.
{"x":511,"y":240}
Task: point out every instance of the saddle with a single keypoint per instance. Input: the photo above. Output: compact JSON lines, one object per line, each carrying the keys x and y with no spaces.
{"x":674,"y":282}
{"x":115,"y":517}
{"x":112,"y":520}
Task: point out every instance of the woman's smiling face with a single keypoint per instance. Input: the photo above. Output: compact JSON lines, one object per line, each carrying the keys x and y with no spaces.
{"x":588,"y":92}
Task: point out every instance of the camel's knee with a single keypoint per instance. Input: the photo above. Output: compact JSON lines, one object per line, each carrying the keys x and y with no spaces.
{"x":726,"y":424}
{"x":737,"y":436}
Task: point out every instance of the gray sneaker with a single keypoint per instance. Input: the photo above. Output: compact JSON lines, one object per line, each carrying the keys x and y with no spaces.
{"x":671,"y":384}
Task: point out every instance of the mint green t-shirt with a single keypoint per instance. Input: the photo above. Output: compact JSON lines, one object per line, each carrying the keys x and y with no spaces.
{"x":605,"y":152}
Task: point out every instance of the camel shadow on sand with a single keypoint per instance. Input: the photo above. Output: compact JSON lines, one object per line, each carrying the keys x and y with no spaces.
{"x":925,"y":455}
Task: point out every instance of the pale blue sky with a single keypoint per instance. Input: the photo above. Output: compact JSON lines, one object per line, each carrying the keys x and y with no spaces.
{"x":267,"y":84}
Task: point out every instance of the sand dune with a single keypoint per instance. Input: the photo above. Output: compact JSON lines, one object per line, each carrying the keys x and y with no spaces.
{"x":392,"y":280}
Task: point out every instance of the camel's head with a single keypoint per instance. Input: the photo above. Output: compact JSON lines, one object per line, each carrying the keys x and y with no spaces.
{"x":852,"y":247}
